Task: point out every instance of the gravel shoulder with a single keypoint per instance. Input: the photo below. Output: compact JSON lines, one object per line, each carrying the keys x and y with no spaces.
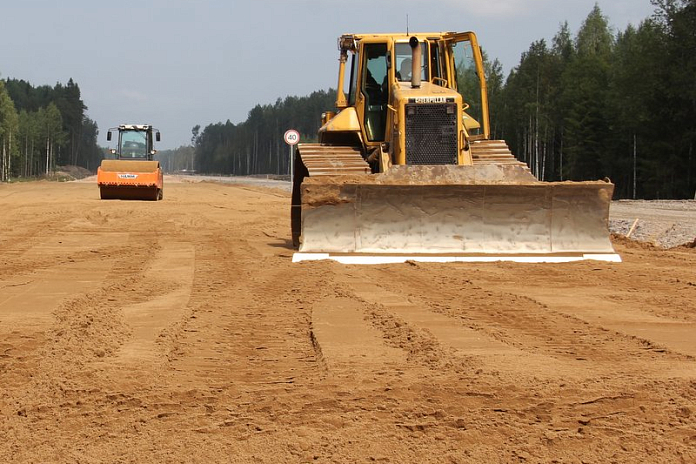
{"x":663,"y":223}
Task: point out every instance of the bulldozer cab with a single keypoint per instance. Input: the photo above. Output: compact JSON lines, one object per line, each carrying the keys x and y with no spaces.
{"x":376,"y":63}
{"x":381,"y":64}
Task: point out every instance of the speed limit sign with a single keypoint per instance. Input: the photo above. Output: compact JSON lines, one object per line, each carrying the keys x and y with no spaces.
{"x":291,"y":137}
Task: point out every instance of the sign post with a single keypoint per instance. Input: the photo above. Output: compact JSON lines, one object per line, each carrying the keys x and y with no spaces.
{"x":291,"y":137}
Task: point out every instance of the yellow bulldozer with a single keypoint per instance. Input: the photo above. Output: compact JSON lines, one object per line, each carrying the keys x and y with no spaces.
{"x":133,"y":175}
{"x":405,"y":169}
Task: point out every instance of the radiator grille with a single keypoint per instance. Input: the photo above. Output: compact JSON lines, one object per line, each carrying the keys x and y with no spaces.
{"x":431,"y":134}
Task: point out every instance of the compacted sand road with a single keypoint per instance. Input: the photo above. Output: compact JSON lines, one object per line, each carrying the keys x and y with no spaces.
{"x":180,"y":331}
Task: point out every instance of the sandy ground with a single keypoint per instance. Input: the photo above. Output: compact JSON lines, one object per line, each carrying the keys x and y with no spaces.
{"x":179,"y":331}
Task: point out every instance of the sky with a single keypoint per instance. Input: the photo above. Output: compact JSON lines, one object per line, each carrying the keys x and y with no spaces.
{"x":180,"y":63}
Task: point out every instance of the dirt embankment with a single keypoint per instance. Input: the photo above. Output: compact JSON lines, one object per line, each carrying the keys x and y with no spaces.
{"x":180,"y":331}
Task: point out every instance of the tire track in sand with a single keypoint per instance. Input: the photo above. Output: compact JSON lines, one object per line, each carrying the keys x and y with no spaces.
{"x":172,"y":271}
{"x":573,"y":341}
{"x":421,"y":334}
{"x":349,"y":345}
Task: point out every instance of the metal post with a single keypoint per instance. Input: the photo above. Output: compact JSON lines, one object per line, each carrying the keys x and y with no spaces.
{"x":634,"y":165}
{"x":291,"y":137}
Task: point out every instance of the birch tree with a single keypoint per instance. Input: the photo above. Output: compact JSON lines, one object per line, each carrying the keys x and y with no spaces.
{"x":9,"y":122}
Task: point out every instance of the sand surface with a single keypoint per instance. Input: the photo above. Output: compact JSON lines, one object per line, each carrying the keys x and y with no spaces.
{"x":181,"y":332}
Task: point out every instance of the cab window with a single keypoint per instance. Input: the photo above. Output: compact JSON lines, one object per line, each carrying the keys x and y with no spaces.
{"x":374,"y":89}
{"x":468,"y":84}
{"x":133,"y":144}
{"x":352,"y":90}
{"x":403,"y":61}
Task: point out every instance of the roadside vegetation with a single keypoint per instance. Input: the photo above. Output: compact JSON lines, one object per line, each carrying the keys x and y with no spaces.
{"x":42,"y":128}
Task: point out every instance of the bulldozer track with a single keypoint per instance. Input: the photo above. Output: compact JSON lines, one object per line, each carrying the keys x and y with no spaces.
{"x":327,"y":160}
{"x":492,"y":152}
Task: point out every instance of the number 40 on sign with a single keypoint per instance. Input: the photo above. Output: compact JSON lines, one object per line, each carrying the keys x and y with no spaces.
{"x":291,"y":137}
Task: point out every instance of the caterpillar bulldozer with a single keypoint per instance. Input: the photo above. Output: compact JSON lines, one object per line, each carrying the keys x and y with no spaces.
{"x":133,"y":175}
{"x":405,"y":169}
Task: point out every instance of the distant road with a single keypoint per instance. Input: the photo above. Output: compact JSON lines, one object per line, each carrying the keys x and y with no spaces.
{"x":258,"y":181}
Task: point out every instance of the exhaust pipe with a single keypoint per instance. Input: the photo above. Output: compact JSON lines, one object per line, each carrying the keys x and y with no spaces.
{"x":415,"y":62}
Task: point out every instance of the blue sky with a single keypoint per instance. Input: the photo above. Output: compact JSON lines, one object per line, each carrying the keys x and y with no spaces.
{"x":178,"y":63}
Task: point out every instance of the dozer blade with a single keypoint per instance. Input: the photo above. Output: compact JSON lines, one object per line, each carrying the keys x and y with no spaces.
{"x":454,"y":213}
{"x":130,"y":180}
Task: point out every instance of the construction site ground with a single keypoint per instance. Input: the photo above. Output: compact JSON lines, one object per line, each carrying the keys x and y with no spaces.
{"x":180,"y":331}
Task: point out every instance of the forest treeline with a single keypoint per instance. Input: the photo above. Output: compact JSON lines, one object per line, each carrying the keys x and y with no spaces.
{"x":598,"y":104}
{"x":44,"y":127}
{"x":254,"y":146}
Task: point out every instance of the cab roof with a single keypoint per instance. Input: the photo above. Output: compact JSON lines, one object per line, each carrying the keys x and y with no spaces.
{"x":349,"y":41}
{"x":142,"y":127}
